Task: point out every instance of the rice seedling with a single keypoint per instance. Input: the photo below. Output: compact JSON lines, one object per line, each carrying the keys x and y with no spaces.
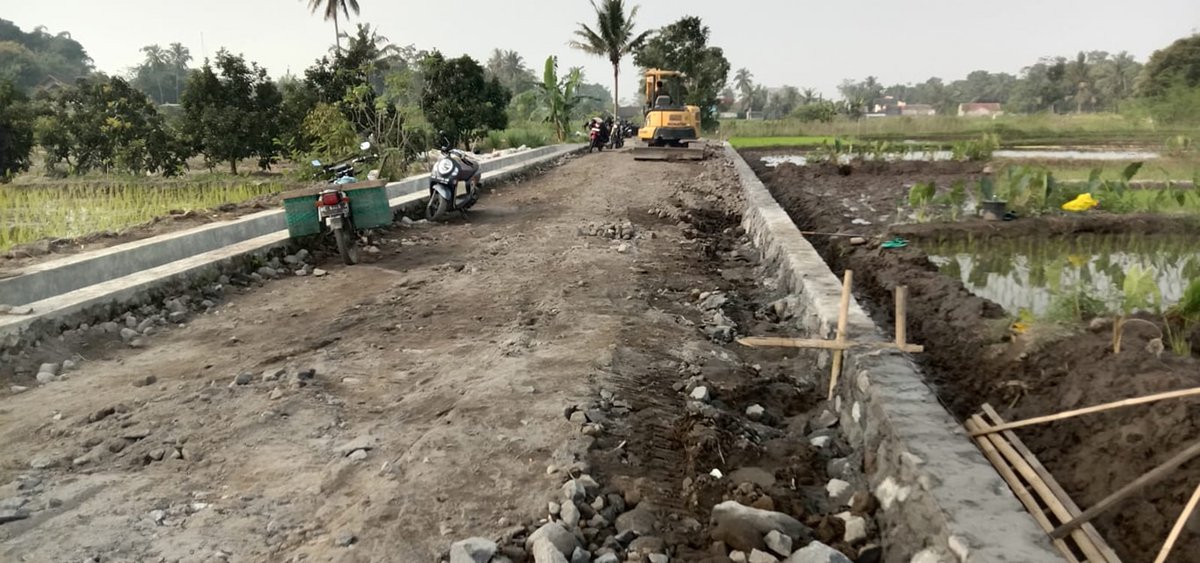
{"x":30,"y":213}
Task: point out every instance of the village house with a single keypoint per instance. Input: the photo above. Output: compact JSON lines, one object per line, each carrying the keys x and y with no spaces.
{"x":980,"y":109}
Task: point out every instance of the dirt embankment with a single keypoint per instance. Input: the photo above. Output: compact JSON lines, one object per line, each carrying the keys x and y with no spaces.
{"x":972,"y":357}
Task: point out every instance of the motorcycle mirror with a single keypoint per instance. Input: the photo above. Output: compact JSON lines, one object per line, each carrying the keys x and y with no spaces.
{"x":316,"y":163}
{"x":365,"y":146}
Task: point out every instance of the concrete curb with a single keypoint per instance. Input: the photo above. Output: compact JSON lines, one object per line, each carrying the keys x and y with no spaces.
{"x":56,"y":277}
{"x":941,"y":501}
{"x":101,"y":301}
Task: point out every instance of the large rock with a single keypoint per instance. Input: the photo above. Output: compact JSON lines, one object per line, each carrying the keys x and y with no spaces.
{"x":12,"y":515}
{"x":817,"y":552}
{"x":640,"y":521}
{"x":570,"y":514}
{"x":759,"y":556}
{"x":743,"y":528}
{"x":778,"y":543}
{"x":553,"y":532}
{"x":472,"y":550}
{"x":544,"y":551}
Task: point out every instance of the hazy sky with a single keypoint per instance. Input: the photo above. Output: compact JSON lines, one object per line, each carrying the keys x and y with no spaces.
{"x":799,"y":42}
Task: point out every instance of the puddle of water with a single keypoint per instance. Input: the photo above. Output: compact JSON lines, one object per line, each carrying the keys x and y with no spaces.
{"x":1028,"y":273}
{"x":1058,"y":154}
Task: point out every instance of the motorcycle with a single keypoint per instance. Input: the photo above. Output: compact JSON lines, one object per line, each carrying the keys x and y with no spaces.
{"x":596,"y":138}
{"x":333,"y":205}
{"x":616,"y":136}
{"x":453,"y":167}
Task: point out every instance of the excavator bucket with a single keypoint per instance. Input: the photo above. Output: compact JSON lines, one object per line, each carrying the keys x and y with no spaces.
{"x":694,"y":151}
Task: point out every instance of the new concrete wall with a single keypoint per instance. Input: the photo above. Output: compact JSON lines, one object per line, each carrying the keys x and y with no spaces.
{"x":56,"y":277}
{"x":941,"y":501}
{"x":101,"y":300}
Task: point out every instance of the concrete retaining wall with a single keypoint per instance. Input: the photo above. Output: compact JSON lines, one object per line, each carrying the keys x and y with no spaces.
{"x":56,"y":277}
{"x":941,"y":501}
{"x":102,"y":290}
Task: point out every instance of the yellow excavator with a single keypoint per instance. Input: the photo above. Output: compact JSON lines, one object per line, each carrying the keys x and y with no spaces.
{"x":671,"y":127}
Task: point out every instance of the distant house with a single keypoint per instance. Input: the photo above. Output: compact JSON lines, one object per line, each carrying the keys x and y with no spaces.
{"x":918,"y":109}
{"x":887,"y":105}
{"x":987,"y":109}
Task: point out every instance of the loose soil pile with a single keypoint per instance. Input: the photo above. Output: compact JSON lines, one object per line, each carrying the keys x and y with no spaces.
{"x":973,"y":358}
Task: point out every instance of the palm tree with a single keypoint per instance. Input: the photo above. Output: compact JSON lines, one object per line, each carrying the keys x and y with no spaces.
{"x":809,"y":96}
{"x":156,"y":59}
{"x":1117,"y":76}
{"x":180,"y":56}
{"x":744,"y":82}
{"x":1078,"y":76}
{"x":613,"y":38}
{"x":509,"y":68}
{"x":331,"y":7}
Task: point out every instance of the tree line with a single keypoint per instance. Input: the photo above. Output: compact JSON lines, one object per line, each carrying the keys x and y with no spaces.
{"x":1164,"y":87}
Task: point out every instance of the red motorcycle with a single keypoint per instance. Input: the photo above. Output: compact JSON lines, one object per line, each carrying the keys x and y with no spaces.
{"x":596,"y":140}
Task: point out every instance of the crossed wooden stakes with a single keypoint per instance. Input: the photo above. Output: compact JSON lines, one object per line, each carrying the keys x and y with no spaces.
{"x":840,"y":344}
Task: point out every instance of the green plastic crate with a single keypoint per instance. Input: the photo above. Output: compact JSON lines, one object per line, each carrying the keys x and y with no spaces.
{"x":369,"y":207}
{"x":301,"y":213}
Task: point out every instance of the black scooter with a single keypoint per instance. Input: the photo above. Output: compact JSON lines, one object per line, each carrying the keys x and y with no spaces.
{"x":454,"y":167}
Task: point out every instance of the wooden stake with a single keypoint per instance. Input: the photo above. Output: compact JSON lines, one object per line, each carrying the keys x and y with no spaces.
{"x":901,"y":316}
{"x":1149,"y":478}
{"x":775,"y":342}
{"x":843,"y":313}
{"x":989,"y":451}
{"x":1044,"y":474}
{"x":1179,"y":524}
{"x":1091,"y":410}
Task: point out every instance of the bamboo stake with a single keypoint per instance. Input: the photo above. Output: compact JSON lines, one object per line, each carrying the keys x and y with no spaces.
{"x":843,"y":313}
{"x":989,"y":451}
{"x":1051,"y":483}
{"x":1149,"y":478}
{"x":770,"y":341}
{"x":1175,"y":531}
{"x":1060,"y":511}
{"x":901,"y":316}
{"x":1094,"y":409}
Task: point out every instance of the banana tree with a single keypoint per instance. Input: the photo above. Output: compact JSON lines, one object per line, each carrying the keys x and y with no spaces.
{"x":559,"y":97}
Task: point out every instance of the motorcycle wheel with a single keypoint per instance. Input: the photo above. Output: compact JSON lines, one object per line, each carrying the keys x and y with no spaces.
{"x":436,"y":207}
{"x":346,"y":247}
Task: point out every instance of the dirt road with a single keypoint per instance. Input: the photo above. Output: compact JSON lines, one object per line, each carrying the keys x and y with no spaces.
{"x":388,"y":409}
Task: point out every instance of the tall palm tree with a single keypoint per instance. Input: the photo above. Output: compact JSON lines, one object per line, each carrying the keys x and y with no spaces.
{"x":744,"y":82}
{"x":179,"y":56}
{"x":330,"y":9}
{"x":809,"y":95}
{"x":1117,"y":76}
{"x":156,"y":60}
{"x":613,"y":38}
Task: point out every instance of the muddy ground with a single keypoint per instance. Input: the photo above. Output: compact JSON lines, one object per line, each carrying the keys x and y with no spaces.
{"x":972,"y":357}
{"x":382,"y":411}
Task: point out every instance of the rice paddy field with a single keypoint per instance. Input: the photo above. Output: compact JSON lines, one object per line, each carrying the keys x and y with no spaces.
{"x":72,"y":209}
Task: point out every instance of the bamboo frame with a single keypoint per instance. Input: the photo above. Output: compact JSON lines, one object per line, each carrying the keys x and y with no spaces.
{"x":1094,"y":409}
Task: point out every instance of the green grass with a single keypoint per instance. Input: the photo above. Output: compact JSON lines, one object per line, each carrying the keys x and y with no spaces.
{"x":764,"y":142}
{"x":1084,"y":129}
{"x":531,"y":135}
{"x":72,"y":208}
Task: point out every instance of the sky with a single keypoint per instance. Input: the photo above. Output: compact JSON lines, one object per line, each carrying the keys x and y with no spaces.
{"x":802,"y":43}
